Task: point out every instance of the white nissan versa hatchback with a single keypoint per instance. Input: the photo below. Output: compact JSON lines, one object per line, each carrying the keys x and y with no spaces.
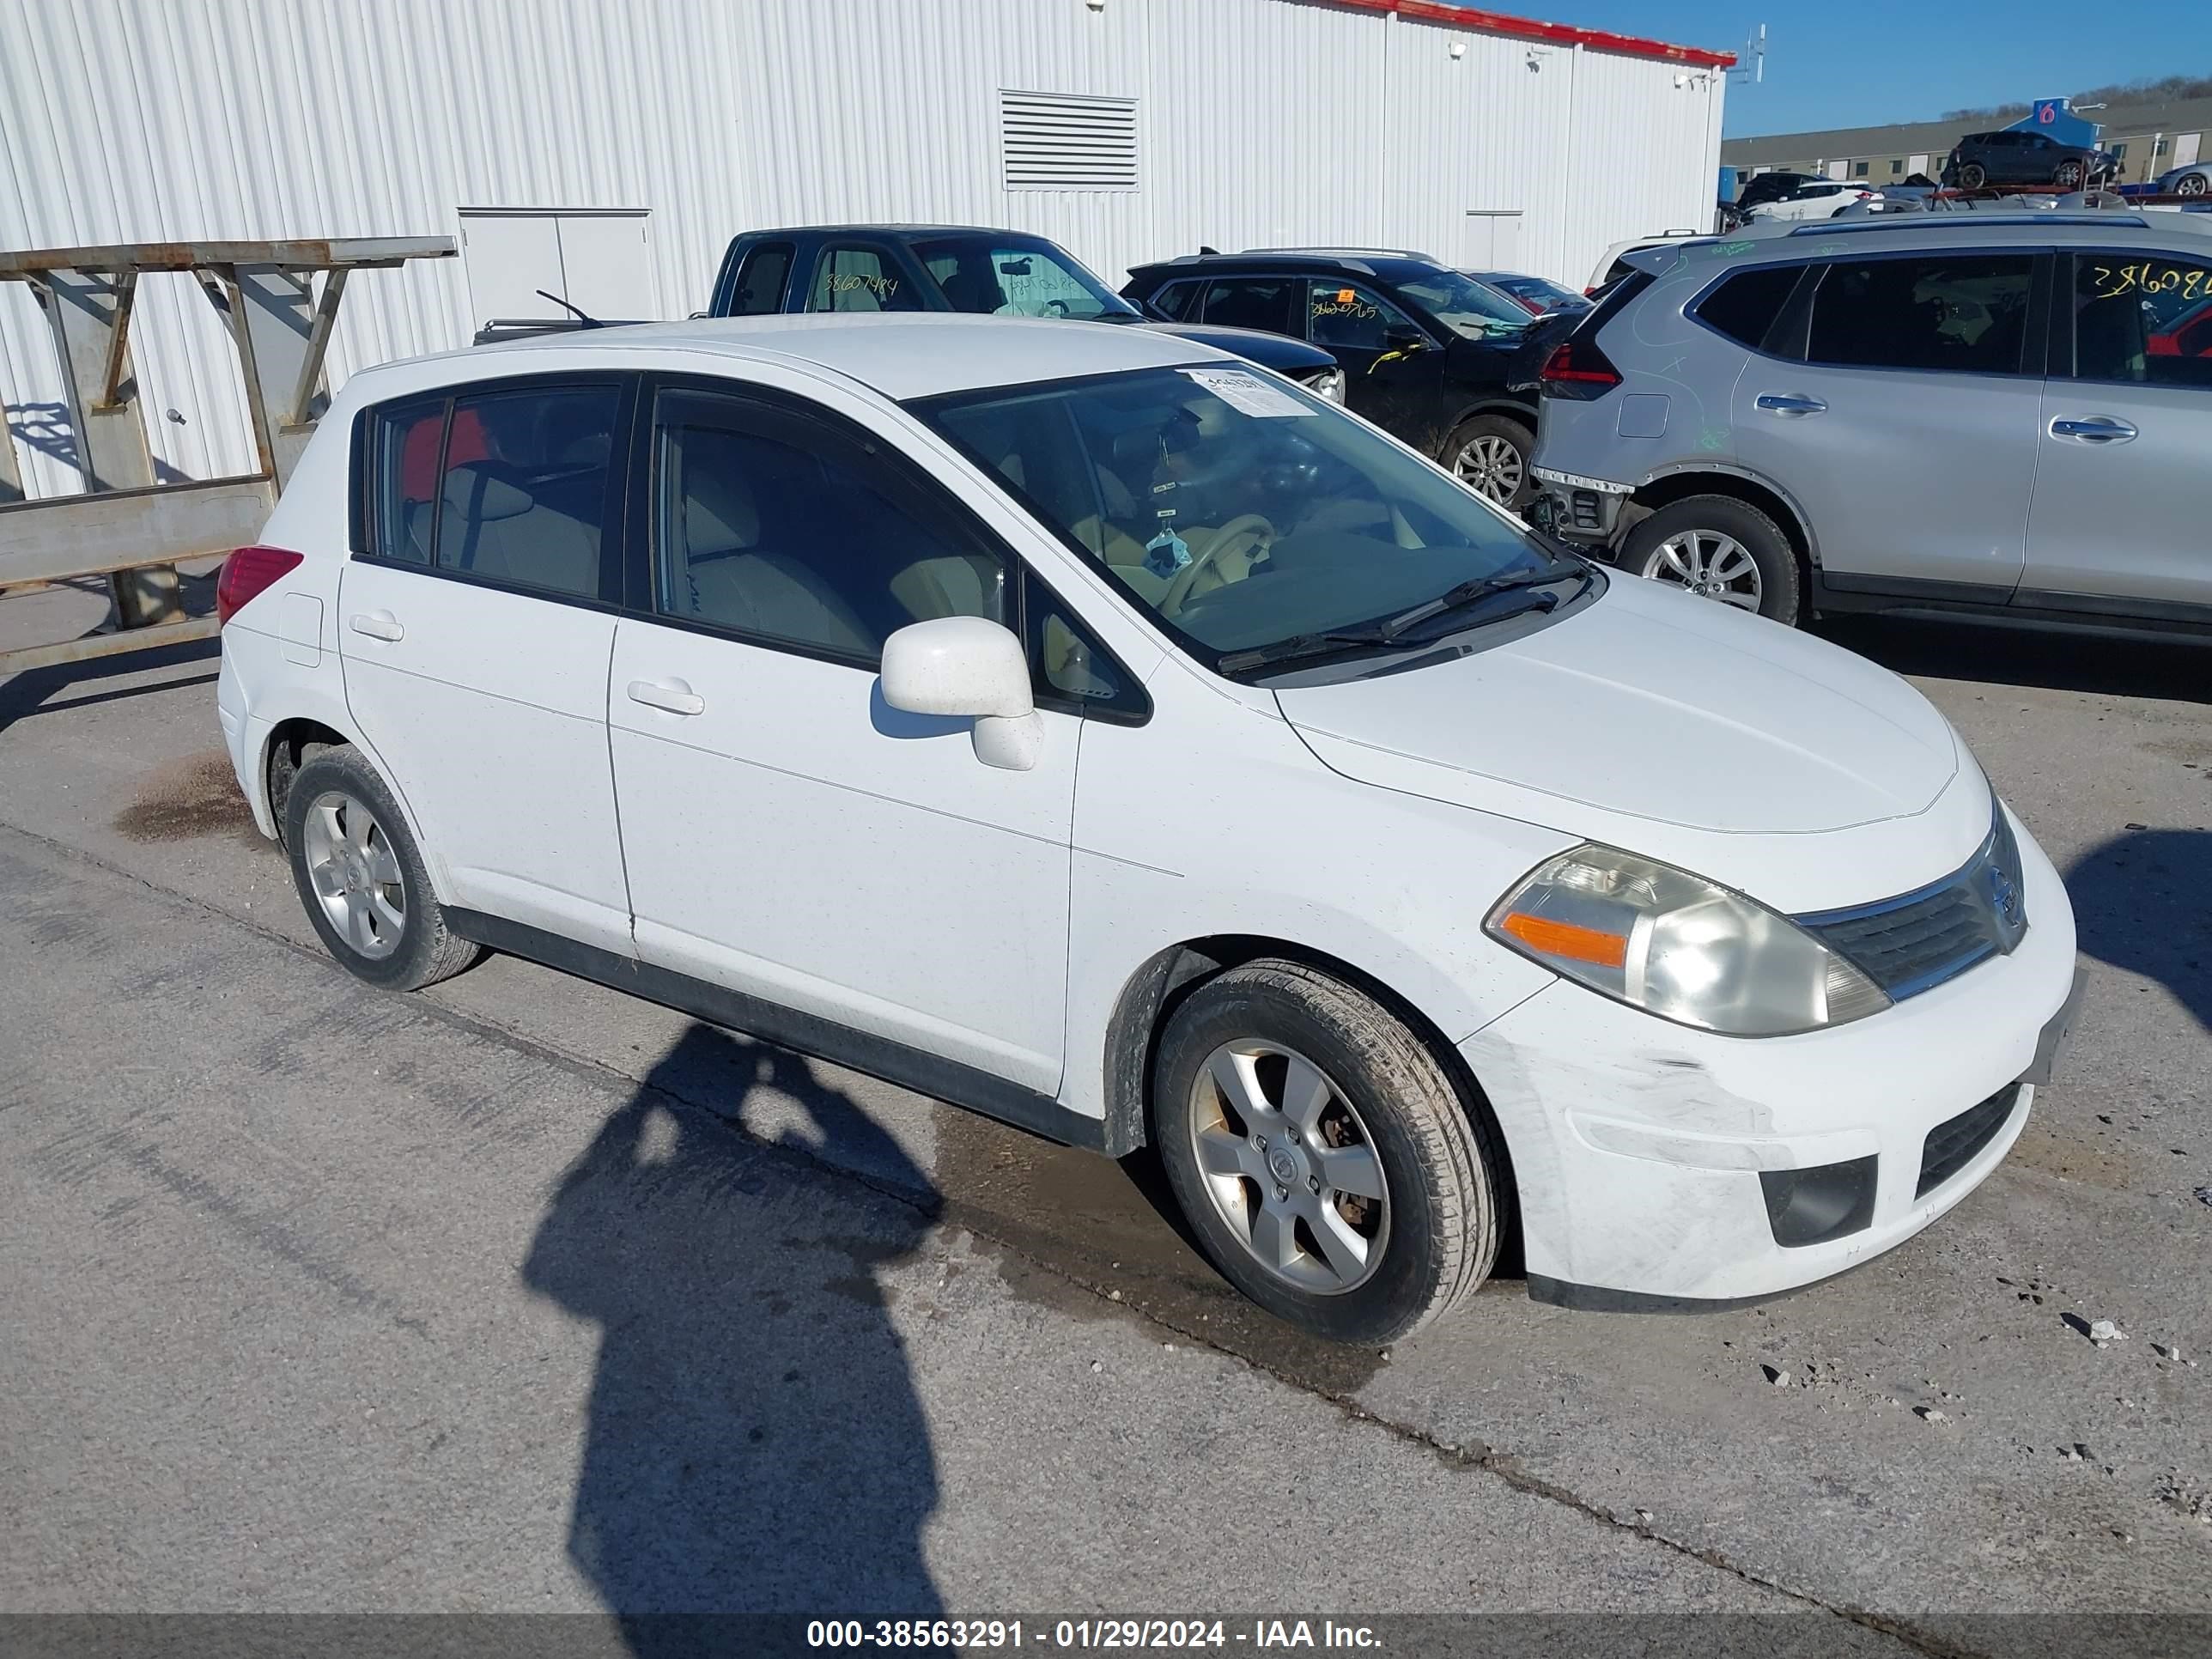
{"x":1089,"y":728}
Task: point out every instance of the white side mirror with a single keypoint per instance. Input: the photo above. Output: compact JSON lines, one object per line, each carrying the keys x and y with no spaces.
{"x":968,"y":667}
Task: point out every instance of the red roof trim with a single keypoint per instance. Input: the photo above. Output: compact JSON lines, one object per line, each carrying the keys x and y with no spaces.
{"x":1528,"y":29}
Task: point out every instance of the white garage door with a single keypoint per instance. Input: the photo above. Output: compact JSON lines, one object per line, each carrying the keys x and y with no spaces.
{"x":599,"y":261}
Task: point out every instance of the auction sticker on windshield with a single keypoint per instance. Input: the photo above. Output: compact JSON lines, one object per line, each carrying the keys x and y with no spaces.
{"x":1243,"y":392}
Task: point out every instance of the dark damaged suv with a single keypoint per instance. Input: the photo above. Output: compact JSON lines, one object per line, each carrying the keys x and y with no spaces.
{"x":1432,"y":357}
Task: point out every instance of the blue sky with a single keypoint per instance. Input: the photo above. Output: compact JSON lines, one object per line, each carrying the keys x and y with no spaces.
{"x":1886,"y":60}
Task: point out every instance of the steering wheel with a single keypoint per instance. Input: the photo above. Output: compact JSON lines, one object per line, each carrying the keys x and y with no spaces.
{"x":1246,"y":530}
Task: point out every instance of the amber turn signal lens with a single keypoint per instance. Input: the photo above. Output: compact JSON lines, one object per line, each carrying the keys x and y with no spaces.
{"x":1564,"y":939}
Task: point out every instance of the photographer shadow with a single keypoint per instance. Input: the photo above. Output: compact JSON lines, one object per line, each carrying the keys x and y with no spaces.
{"x":754,"y":1443}
{"x":2142,"y":901}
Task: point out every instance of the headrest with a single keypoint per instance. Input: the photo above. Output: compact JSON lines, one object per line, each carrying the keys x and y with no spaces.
{"x":720,"y":514}
{"x":474,"y":489}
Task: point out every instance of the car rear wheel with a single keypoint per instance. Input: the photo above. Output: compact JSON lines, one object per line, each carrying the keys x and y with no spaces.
{"x":1491,"y":451}
{"x":1972,"y":176}
{"x":1718,"y":548}
{"x":2193,"y":184}
{"x":361,"y":877}
{"x":1322,"y":1157}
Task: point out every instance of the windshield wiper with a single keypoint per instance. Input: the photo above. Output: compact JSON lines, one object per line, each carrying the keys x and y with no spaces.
{"x":1470,"y":593}
{"x":1302,"y":647}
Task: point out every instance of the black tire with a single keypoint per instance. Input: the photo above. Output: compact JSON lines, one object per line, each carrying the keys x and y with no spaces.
{"x":2071,"y":175}
{"x":1780,"y":593}
{"x":2191,"y":184}
{"x":424,"y":950}
{"x":1502,"y":428}
{"x":1972,"y":176}
{"x":1438,"y":1161}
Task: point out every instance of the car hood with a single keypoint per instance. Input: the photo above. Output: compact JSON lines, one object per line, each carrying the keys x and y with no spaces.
{"x":1285,"y":356}
{"x":1675,"y":727}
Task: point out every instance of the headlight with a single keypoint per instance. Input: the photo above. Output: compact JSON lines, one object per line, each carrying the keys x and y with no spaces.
{"x":1328,"y":383}
{"x":1677,"y":945}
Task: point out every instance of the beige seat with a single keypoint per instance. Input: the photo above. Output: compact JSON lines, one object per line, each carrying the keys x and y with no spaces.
{"x":489,"y":525}
{"x":718,"y":572}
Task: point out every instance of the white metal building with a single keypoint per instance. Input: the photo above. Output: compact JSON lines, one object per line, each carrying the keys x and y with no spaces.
{"x":608,"y":149}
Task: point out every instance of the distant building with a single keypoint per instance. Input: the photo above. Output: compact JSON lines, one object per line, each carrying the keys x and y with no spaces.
{"x":2148,"y":138}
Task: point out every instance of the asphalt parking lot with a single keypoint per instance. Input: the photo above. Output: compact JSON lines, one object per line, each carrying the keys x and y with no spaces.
{"x":519,"y":1295}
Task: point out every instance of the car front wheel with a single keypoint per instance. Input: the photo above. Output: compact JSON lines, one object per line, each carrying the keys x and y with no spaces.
{"x":1972,"y":176}
{"x":2069,"y":176}
{"x":1718,"y":548}
{"x":2195,"y":183}
{"x":1322,"y":1155}
{"x":362,"y":878}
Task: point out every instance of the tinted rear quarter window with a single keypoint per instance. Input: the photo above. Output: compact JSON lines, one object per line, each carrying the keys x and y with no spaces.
{"x":1966,"y":312}
{"x":1745,"y":307}
{"x":408,"y":440}
{"x":1173,"y":299}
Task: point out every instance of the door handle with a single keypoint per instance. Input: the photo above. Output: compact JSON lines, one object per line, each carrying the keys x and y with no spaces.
{"x":378,"y":625}
{"x":672,"y":695}
{"x":1786,"y":403}
{"x":2093,"y":429}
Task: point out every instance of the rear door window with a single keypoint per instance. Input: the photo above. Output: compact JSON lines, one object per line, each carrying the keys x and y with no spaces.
{"x":2142,"y":318}
{"x":761,"y":279}
{"x":851,"y":278}
{"x":523,"y":498}
{"x":511,"y":485}
{"x":1966,"y":312}
{"x":1270,"y":304}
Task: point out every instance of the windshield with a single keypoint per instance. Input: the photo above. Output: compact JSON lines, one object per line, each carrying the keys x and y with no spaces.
{"x":1005,"y":276}
{"x":1238,"y":511}
{"x":1464,"y":306}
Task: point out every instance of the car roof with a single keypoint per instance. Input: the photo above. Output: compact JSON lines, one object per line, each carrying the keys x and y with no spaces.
{"x":1384,"y":267}
{"x":901,"y":355}
{"x":1787,"y":238}
{"x":897,"y":233}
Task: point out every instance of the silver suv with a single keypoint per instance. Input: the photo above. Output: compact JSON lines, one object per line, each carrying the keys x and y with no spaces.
{"x":2003,"y":413}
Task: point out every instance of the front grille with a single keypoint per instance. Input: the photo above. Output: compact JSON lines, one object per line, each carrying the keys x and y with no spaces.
{"x":1915,"y":941}
{"x":1951,"y":1145}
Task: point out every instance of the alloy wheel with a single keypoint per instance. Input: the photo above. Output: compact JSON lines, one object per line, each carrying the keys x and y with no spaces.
{"x":1290,"y":1167}
{"x":2195,"y":183}
{"x":356,"y":875}
{"x":1493,"y":465}
{"x":1710,"y":564}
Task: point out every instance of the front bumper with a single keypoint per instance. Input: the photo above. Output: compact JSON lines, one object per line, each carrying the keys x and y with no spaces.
{"x":1638,"y":1145}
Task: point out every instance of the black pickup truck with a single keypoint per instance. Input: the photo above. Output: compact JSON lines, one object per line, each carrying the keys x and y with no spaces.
{"x":963,"y":268}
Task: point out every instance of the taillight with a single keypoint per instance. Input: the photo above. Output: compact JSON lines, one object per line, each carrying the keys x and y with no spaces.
{"x":1577,"y":369}
{"x":247,"y":573}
